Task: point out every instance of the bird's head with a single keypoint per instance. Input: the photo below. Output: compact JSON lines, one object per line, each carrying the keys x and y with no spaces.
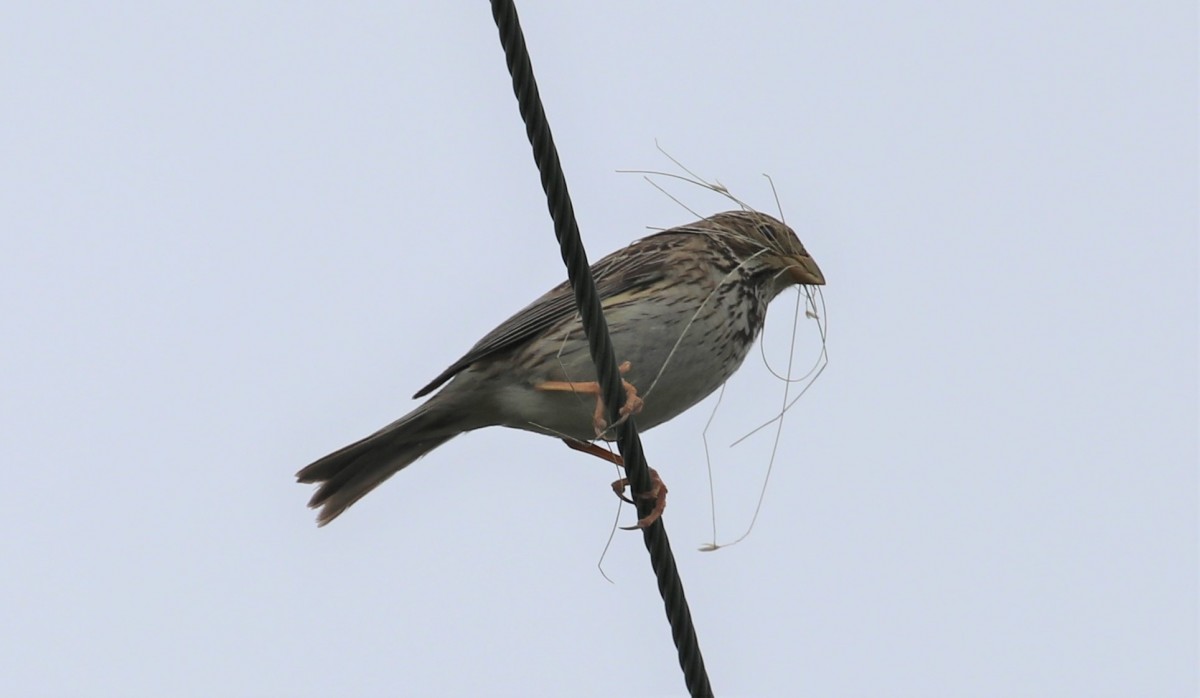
{"x":768,"y":246}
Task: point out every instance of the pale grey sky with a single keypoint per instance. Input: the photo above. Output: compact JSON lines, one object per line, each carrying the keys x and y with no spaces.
{"x":239,"y":235}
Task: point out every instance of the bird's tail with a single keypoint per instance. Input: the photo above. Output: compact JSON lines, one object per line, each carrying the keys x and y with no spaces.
{"x":346,"y":475}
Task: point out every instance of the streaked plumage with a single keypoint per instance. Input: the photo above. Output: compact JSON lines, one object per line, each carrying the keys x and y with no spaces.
{"x":683,"y":307}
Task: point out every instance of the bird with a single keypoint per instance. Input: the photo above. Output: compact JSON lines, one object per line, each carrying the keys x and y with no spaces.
{"x":683,"y":305}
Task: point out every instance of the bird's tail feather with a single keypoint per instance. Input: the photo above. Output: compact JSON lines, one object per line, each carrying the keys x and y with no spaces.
{"x":346,"y":475}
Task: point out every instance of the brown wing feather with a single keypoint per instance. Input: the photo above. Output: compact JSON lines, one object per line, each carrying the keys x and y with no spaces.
{"x":615,"y":274}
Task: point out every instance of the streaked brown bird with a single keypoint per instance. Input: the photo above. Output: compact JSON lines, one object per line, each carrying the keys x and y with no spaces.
{"x":683,"y":307}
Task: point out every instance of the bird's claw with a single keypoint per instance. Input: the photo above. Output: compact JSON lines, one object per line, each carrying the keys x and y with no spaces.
{"x":658,"y":493}
{"x":658,"y":489}
{"x":633,"y":403}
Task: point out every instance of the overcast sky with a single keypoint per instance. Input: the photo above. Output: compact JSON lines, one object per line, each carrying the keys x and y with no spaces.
{"x":238,"y":236}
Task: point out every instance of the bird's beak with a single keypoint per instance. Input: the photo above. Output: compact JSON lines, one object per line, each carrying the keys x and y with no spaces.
{"x":805,"y":271}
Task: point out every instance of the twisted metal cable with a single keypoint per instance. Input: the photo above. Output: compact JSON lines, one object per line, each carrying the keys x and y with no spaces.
{"x":592,"y":316}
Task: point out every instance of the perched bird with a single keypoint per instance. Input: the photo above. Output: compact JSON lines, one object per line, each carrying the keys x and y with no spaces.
{"x":683,"y":307}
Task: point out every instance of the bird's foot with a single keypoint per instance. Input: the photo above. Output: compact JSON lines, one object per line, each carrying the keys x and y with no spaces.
{"x":633,"y":403}
{"x":658,"y":493}
{"x":658,"y":489}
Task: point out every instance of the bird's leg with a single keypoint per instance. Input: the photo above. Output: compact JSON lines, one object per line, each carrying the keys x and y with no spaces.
{"x":633,"y":403}
{"x":658,"y":489}
{"x":597,"y":451}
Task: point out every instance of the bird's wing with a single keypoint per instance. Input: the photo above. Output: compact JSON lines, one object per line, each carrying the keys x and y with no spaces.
{"x":615,"y":274}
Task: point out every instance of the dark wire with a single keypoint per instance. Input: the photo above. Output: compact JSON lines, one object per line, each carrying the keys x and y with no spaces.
{"x":586,"y":298}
